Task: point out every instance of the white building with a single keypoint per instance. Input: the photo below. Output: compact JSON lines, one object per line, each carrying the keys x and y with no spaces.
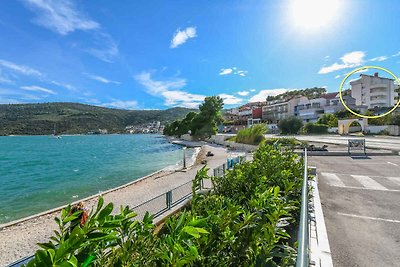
{"x":373,"y":91}
{"x":280,"y":109}
{"x":310,"y":110}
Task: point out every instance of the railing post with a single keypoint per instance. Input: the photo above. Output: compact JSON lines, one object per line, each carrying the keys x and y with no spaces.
{"x":168,"y":199}
{"x":302,"y":250}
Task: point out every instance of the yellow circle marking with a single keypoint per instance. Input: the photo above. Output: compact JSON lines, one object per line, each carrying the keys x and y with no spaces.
{"x":361,"y":115}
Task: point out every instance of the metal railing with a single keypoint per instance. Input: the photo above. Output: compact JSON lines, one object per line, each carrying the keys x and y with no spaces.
{"x":303,"y":236}
{"x":230,"y":162}
{"x":160,"y":204}
{"x":163,"y":203}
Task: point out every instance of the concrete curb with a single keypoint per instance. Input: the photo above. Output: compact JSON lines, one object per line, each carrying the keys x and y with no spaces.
{"x":320,"y":252}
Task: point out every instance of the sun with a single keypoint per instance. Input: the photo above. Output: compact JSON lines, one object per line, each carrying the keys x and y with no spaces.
{"x":311,"y":15}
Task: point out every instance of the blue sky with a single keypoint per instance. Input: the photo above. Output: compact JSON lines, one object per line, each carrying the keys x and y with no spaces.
{"x":148,"y":54}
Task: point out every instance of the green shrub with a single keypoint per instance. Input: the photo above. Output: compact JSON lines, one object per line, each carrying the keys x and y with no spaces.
{"x":328,"y":119}
{"x":290,"y":125}
{"x":247,"y":220}
{"x":315,"y":128}
{"x":289,"y":142}
{"x":251,"y":136}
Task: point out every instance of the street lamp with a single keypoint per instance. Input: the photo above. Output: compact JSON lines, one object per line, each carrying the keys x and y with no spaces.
{"x":184,"y":157}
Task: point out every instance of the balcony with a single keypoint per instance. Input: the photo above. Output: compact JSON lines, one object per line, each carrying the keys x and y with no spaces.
{"x":378,"y":85}
{"x":378,"y":93}
{"x":379,"y":102}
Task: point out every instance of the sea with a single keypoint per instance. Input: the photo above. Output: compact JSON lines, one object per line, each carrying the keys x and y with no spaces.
{"x":38,"y":173}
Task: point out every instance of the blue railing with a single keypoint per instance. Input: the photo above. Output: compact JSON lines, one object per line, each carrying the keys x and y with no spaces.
{"x":303,"y":237}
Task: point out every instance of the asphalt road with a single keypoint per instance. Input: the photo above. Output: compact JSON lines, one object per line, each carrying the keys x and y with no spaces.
{"x":361,"y":205}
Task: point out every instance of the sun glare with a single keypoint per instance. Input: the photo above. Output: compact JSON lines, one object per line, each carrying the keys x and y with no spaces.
{"x":313,"y":14}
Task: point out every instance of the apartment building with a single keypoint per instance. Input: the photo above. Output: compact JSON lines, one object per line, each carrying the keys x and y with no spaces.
{"x":310,"y":110}
{"x":373,"y":91}
{"x":276,"y":110}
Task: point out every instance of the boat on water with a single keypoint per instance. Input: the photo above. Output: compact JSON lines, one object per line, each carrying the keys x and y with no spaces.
{"x":55,"y":135}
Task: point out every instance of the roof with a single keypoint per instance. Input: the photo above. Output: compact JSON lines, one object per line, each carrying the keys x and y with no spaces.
{"x":330,"y":95}
{"x":376,"y":76}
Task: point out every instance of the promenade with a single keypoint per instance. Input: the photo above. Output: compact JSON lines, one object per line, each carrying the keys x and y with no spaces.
{"x":20,"y":240}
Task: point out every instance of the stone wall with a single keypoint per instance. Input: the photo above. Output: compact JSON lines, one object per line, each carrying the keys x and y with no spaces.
{"x":221,"y":140}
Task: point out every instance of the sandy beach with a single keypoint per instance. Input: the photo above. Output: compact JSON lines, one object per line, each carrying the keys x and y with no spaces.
{"x":20,"y":239}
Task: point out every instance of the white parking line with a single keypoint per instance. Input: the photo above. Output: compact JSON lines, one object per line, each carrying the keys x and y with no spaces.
{"x":333,"y":179}
{"x":369,"y":218}
{"x":364,"y":188}
{"x":368,"y":182}
{"x":392,"y":163}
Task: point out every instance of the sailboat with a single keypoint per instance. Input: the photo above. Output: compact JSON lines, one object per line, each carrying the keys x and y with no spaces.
{"x":55,"y":133}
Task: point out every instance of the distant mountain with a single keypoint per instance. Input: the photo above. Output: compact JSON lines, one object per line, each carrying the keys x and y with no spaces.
{"x":75,"y":118}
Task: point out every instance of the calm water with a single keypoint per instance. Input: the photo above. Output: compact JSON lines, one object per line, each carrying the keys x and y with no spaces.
{"x":40,"y":172}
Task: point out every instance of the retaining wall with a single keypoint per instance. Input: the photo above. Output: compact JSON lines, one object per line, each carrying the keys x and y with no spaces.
{"x":221,"y":140}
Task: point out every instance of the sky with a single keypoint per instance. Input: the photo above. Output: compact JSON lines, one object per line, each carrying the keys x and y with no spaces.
{"x":148,"y":54}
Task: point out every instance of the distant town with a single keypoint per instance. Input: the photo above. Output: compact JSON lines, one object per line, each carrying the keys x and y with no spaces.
{"x":369,"y":92}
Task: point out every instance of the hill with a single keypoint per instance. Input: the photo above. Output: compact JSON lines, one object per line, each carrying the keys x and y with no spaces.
{"x":310,"y":93}
{"x":75,"y":118}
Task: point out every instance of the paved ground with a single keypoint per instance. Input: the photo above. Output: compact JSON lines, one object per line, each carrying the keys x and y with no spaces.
{"x":380,"y":142}
{"x":361,"y":204}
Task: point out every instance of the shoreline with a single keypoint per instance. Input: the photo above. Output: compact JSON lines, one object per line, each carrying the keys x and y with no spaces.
{"x":19,"y":238}
{"x":171,"y":168}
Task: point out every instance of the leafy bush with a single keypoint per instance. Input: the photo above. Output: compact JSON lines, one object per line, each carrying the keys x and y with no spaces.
{"x":290,"y":125}
{"x":288,"y":142}
{"x":245,"y":221}
{"x":315,"y":128}
{"x":251,"y":136}
{"x":328,"y":119}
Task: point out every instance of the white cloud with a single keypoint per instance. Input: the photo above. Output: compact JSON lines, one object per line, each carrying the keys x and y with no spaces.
{"x":380,"y":58}
{"x":263,"y":94}
{"x":101,"y":79}
{"x":103,"y":47}
{"x":243,"y":93}
{"x":242,"y":72}
{"x":180,"y":37}
{"x":64,"y":18}
{"x":359,"y":71}
{"x":170,"y":90}
{"x":16,"y":96}
{"x":25,"y":70}
{"x":349,"y":60}
{"x":180,"y":98}
{"x":65,"y":85}
{"x":234,"y":70}
{"x":337,"y":76}
{"x":60,"y":16}
{"x":252,"y":90}
{"x":129,"y":104}
{"x":226,"y":71}
{"x":396,"y":55}
{"x":38,"y":89}
{"x":5,"y":80}
{"x":230,"y":99}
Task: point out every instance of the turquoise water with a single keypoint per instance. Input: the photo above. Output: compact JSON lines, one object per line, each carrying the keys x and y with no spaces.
{"x":40,"y":172}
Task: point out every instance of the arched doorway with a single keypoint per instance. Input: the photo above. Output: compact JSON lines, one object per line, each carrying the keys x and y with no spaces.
{"x":344,"y":125}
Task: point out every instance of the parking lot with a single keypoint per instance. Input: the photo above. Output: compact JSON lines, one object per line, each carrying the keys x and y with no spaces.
{"x":361,"y":204}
